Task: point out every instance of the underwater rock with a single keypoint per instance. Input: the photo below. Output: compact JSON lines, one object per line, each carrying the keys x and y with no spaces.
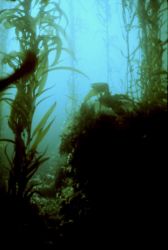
{"x":114,"y":162}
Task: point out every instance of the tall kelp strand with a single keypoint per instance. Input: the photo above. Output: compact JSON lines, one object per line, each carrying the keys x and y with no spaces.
{"x":36,"y":41}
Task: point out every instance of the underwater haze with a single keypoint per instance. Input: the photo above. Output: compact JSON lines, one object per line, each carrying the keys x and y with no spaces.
{"x":95,"y":40}
{"x":94,"y":37}
{"x":83,"y":90}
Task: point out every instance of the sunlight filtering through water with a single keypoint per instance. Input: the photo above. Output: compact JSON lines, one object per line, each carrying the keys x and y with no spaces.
{"x":94,"y":42}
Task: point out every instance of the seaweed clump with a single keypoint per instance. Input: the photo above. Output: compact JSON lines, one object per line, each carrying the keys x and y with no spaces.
{"x":114,"y":160}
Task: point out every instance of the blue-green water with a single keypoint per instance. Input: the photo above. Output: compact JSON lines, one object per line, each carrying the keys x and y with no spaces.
{"x":97,"y":54}
{"x":94,"y":41}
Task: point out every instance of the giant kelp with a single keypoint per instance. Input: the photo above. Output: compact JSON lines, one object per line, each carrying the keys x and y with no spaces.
{"x":22,"y":223}
{"x":146,"y":74}
{"x":152,"y":74}
{"x":16,"y":211}
{"x":26,"y":159}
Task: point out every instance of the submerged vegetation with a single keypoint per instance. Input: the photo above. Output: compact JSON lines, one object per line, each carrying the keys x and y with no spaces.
{"x":41,"y":35}
{"x":153,"y":77}
{"x":27,"y":159}
{"x":110,"y":150}
{"x":150,"y":83}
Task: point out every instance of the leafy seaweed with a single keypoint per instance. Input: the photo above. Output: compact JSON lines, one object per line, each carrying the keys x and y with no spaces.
{"x":26,"y":159}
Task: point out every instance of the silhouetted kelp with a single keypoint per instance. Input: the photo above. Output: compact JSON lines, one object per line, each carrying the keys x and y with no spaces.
{"x":30,"y":79}
{"x":19,"y":218}
{"x":16,"y":213}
